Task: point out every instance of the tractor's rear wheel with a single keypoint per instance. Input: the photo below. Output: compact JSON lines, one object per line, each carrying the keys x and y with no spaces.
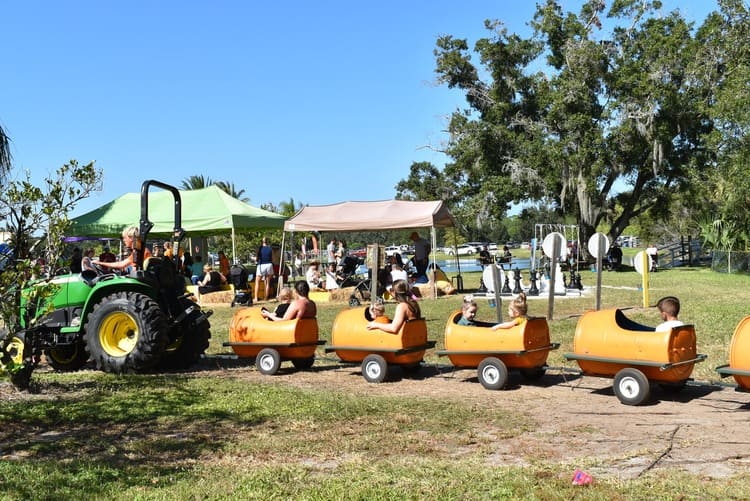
{"x":190,"y":340}
{"x":126,"y":332}
{"x":67,"y":358}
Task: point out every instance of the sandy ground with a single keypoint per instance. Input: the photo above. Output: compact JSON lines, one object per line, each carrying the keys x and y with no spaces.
{"x":701,"y":429}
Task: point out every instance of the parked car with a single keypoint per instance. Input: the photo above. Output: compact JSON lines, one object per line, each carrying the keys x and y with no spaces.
{"x":463,"y":250}
{"x":358,"y":252}
{"x":392,"y":250}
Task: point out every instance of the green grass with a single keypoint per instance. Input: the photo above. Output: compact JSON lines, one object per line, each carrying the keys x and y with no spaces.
{"x":90,"y":435}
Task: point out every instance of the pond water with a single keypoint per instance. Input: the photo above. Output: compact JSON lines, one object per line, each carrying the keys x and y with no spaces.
{"x":467,"y":265}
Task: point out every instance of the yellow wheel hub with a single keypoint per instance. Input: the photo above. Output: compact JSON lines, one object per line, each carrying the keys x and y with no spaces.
{"x":15,"y":348}
{"x":118,"y":334}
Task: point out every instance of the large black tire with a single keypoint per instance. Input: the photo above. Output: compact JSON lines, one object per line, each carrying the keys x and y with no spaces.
{"x":190,"y":339}
{"x":67,"y":358}
{"x":126,"y":332}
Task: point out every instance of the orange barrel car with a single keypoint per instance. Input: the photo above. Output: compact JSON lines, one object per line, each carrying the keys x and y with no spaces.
{"x":524,"y":347}
{"x":739,"y":356}
{"x":251,"y":335}
{"x":376,"y":349}
{"x":609,"y":344}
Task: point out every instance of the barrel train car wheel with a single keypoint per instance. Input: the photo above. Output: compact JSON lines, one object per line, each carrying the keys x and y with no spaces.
{"x":268,"y":361}
{"x":374,"y":368}
{"x":492,"y":373}
{"x":631,"y":386}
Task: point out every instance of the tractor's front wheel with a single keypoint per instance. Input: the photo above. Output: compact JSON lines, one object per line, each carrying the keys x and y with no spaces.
{"x":126,"y":332}
{"x":17,"y":360}
{"x":67,"y":358}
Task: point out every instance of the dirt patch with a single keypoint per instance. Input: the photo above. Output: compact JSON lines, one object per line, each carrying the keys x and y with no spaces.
{"x":577,"y":420}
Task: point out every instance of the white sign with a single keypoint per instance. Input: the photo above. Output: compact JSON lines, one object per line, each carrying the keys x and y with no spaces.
{"x":548,"y":244}
{"x":638,"y":262}
{"x":594,"y":244}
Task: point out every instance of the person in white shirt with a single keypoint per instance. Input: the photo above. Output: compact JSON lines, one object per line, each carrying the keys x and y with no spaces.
{"x":669,"y":308}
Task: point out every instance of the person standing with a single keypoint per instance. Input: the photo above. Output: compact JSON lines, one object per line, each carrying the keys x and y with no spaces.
{"x":421,"y":253}
{"x":331,"y":251}
{"x":264,"y":269}
{"x":75,"y":261}
{"x":223,"y":264}
{"x":653,"y":251}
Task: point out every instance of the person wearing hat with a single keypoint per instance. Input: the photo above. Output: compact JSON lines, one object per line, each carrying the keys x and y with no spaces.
{"x":106,"y":256}
{"x":421,"y":253}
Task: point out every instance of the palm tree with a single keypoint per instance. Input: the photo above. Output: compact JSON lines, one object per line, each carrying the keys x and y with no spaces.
{"x":196,"y":183}
{"x":230,"y":190}
{"x":289,"y":208}
{"x":5,"y":156}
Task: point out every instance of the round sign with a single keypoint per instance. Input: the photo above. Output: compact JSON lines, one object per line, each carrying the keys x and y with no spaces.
{"x":638,"y":262}
{"x":488,"y":278}
{"x":594,"y":244}
{"x":549,"y":242}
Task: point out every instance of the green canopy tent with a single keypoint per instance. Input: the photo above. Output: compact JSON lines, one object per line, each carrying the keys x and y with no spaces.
{"x":205,"y":212}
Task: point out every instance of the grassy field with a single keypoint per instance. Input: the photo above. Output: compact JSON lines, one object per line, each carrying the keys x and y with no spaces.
{"x":184,"y":436}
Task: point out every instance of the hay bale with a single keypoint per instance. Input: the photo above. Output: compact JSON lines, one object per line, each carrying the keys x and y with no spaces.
{"x":216,"y":297}
{"x":341,"y":295}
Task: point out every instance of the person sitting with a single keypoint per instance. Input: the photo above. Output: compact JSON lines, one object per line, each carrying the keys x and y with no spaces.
{"x":131,"y":241}
{"x":168,"y":250}
{"x":669,"y":309}
{"x":302,"y":307}
{"x":517,"y":310}
{"x":212,"y":280}
{"x":196,"y":269}
{"x":331,"y":278}
{"x":377,"y":313}
{"x":485,"y":258}
{"x":614,"y":257}
{"x":397,"y":273}
{"x":469,"y":314}
{"x":107,"y":256}
{"x":406,"y":309}
{"x":87,"y":261}
{"x":312,"y":275}
{"x":285,"y":299}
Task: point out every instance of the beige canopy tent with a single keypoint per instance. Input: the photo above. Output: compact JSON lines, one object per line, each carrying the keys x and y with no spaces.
{"x":373,"y":216}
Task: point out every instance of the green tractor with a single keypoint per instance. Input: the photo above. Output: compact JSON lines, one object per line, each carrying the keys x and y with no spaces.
{"x":140,"y":322}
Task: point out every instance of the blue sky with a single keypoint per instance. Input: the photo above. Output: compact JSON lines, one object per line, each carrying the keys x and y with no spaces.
{"x":319,"y":101}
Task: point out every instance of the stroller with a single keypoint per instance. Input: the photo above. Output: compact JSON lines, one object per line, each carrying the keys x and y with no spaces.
{"x":347,"y":271}
{"x":238,"y":276}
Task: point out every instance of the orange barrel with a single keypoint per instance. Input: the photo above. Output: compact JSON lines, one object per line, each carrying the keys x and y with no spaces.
{"x":739,"y":352}
{"x":522,"y":346}
{"x":249,"y":326}
{"x":352,"y":342}
{"x":607,"y":341}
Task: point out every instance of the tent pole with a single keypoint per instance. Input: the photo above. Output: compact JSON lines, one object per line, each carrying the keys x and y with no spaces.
{"x":434,"y":261}
{"x":234,"y":248}
{"x":280,"y":281}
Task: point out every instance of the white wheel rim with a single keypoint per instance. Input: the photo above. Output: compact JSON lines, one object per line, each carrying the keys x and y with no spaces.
{"x":372,"y":369}
{"x":490,"y":374}
{"x":629,"y":387}
{"x":266,"y":362}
